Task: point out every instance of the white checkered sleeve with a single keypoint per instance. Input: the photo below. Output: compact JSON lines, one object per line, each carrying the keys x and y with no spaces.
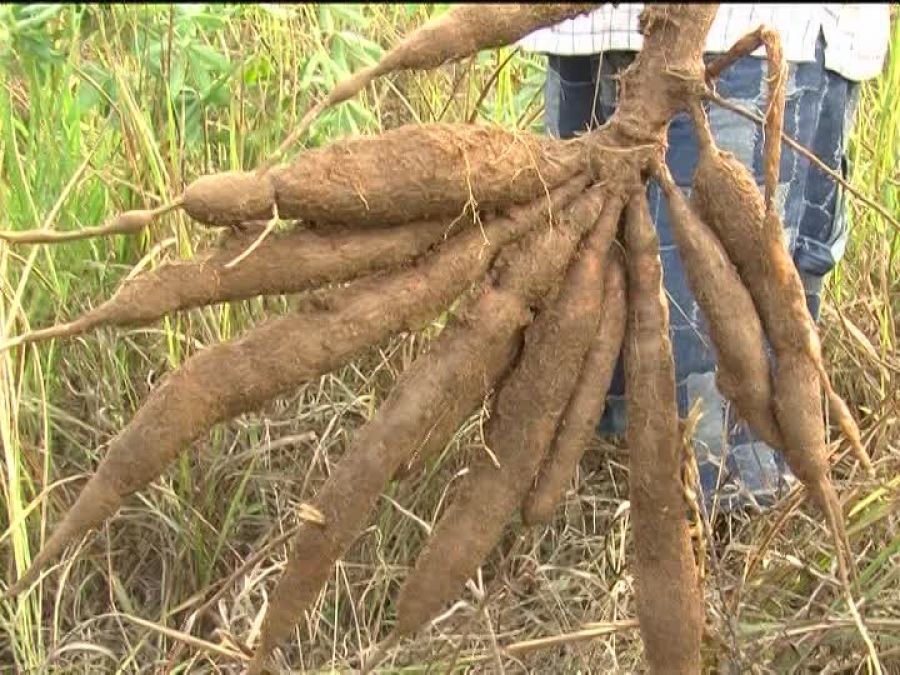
{"x":856,"y":36}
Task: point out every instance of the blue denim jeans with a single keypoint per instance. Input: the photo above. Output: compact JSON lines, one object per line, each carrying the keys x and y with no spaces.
{"x":580,"y":94}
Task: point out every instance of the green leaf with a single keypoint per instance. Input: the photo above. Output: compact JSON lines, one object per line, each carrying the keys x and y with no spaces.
{"x":209,"y":57}
{"x":35,"y":15}
{"x":257,"y":68}
{"x":367,"y":51}
{"x":176,"y":78}
{"x":363,"y":114}
{"x":310,"y":71}
{"x":199,"y":75}
{"x":217,"y":93}
{"x":190,"y":9}
{"x":326,"y":18}
{"x":338,"y":63}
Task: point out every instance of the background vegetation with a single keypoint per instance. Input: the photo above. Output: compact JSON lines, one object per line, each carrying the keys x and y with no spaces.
{"x":104,"y":108}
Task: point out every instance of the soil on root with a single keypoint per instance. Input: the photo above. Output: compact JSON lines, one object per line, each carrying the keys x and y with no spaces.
{"x":468,"y":29}
{"x":232,"y":378}
{"x":742,"y":365}
{"x":529,"y":405}
{"x":468,"y":358}
{"x":283,"y":263}
{"x":669,"y":601}
{"x":410,"y":173}
{"x":440,"y":433}
{"x":730,"y":202}
{"x":585,"y":408}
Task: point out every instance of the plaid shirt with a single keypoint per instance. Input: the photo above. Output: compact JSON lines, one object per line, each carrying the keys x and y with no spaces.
{"x":856,"y":36}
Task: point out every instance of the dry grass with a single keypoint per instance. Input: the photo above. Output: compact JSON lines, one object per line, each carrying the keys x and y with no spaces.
{"x":126,"y":598}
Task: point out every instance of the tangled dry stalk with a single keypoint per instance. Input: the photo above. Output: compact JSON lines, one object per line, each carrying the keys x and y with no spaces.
{"x":550,"y":247}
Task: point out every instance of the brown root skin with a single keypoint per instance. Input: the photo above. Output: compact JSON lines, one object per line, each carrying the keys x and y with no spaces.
{"x":743,"y":370}
{"x":467,"y":29}
{"x":230,"y":198}
{"x":231,"y":378}
{"x":458,"y":365}
{"x":440,"y":434}
{"x":669,"y":599}
{"x":799,"y":411}
{"x":576,"y":428}
{"x":730,"y":202}
{"x":467,"y":359}
{"x":520,"y":432}
{"x":287,"y":263}
{"x":436,"y":170}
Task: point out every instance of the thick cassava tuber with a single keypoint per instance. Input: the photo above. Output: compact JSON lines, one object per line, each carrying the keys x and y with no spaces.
{"x":742,"y":374}
{"x":519,"y":433}
{"x":436,"y":170}
{"x":478,"y":351}
{"x":585,"y":407}
{"x":289,"y":263}
{"x":521,"y":230}
{"x":668,"y":597}
{"x":727,"y":197}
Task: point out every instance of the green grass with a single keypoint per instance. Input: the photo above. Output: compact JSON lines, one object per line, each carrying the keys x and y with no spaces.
{"x":128,"y":104}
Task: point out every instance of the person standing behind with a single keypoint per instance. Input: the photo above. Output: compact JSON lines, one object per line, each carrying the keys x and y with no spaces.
{"x":830,"y":49}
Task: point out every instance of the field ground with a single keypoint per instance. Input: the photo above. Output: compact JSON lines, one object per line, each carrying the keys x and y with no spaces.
{"x":129,"y":103}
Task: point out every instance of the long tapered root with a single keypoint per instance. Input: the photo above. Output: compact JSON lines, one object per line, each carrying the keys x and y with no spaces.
{"x":584,"y":409}
{"x":469,"y":357}
{"x":840,"y":413}
{"x":229,"y":379}
{"x":726,"y":196}
{"x":669,"y":600}
{"x":436,"y":170}
{"x":288,"y":263}
{"x":521,"y":429}
{"x":742,"y":365}
{"x":798,"y":406}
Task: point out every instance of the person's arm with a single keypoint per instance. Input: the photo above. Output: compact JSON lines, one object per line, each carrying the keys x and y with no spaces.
{"x":857,"y":38}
